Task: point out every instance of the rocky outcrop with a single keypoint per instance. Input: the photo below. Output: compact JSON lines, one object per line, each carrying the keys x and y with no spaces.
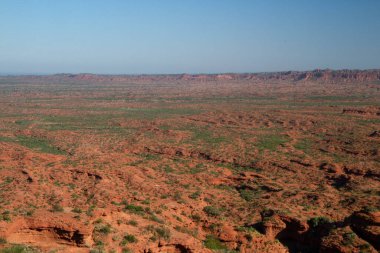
{"x":178,"y":243}
{"x":228,"y":235}
{"x":272,"y":225}
{"x":280,"y":226}
{"x":367,"y":226}
{"x":49,"y":228}
{"x":359,"y":232}
{"x":344,"y":240}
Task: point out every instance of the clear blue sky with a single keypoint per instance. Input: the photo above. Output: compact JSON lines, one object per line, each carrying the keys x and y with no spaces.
{"x":193,"y":36}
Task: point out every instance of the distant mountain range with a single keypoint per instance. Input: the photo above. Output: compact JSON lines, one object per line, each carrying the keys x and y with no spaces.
{"x":325,"y":75}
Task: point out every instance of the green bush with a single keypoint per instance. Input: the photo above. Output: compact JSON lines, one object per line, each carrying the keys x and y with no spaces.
{"x":134,"y":209}
{"x":196,"y":217}
{"x":317,"y":221}
{"x":128,"y":239}
{"x":57,"y":208}
{"x":163,"y":233}
{"x":132,"y":223}
{"x":349,"y":238}
{"x":211,"y":211}
{"x":76,"y":210}
{"x":106,"y":229}
{"x":195,"y":195}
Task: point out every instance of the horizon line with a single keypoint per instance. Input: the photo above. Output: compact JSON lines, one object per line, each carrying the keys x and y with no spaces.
{"x":181,"y":73}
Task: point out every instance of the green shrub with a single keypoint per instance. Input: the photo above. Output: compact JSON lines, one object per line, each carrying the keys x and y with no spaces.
{"x":168,"y":169}
{"x":317,"y":221}
{"x":193,"y":233}
{"x":134,"y":209}
{"x":76,"y":210}
{"x":196,"y":217}
{"x":5,"y":216}
{"x":211,"y":211}
{"x":156,"y":219}
{"x":146,"y":202}
{"x":370,"y":209}
{"x":128,"y":239}
{"x":132,"y":223}
{"x":349,"y":238}
{"x":106,"y":229}
{"x":57,"y":208}
{"x":163,"y":232}
{"x":249,"y":237}
{"x":195,"y":195}
{"x":90,"y":210}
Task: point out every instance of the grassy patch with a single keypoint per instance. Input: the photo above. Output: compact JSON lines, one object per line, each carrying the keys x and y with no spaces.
{"x":23,"y":123}
{"x":159,"y":232}
{"x":214,"y":243}
{"x":271,"y":141}
{"x":197,"y":169}
{"x":206,"y":136}
{"x":248,"y":194}
{"x":153,"y":113}
{"x":304,"y":145}
{"x":6,"y":139}
{"x":149,"y":157}
{"x":40,"y":145}
{"x":34,"y":143}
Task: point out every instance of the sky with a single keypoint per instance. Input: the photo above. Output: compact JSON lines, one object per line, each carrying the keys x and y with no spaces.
{"x":187,"y":36}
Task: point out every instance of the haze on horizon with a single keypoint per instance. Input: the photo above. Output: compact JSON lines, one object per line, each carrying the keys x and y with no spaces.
{"x":169,"y":36}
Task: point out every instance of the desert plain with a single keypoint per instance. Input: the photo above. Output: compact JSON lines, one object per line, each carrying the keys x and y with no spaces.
{"x":268,"y":162}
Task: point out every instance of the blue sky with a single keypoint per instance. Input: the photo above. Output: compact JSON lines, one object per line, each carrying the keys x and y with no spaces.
{"x":187,"y":36}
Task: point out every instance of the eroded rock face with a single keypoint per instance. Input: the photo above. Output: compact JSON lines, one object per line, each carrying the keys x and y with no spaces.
{"x":47,"y":229}
{"x":178,"y":243}
{"x":272,"y":226}
{"x":263,"y":244}
{"x":331,"y":168}
{"x":367,"y":226}
{"x":281,"y":226}
{"x":359,"y":232}
{"x":227,"y":233}
{"x":229,"y":236}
